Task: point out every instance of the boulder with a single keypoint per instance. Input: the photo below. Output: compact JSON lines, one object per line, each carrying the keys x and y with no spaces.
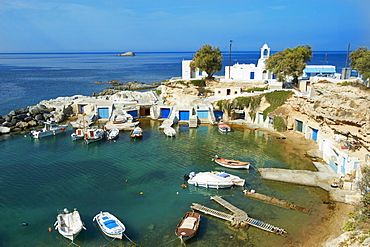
{"x":4,"y":130}
{"x":21,"y":111}
{"x":21,"y":125}
{"x":39,"y":117}
{"x":32,"y":123}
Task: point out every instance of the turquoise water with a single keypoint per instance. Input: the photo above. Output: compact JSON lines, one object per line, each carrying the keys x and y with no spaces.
{"x":40,"y":177}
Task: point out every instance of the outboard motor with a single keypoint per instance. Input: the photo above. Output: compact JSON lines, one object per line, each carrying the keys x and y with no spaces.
{"x":186,"y":177}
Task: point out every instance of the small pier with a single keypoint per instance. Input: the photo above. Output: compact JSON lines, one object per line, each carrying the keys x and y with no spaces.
{"x":239,"y":219}
{"x":278,"y":202}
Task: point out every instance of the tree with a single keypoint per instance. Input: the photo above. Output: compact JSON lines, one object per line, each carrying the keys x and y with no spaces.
{"x":207,"y":59}
{"x":290,"y":62}
{"x":360,"y":61}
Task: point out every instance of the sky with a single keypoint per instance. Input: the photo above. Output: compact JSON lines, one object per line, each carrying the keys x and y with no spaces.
{"x":181,"y":25}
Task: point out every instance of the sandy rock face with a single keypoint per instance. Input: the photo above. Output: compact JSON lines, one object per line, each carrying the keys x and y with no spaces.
{"x":344,"y":109}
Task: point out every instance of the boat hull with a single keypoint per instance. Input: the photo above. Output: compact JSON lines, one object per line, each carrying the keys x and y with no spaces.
{"x":110,"y":225}
{"x":40,"y":133}
{"x":224,"y":128}
{"x":215,"y":180}
{"x":69,"y":225}
{"x":233,"y":164}
{"x":188,"y":226}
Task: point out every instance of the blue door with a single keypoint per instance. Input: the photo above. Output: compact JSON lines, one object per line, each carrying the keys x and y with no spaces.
{"x":314,"y":134}
{"x":202,"y":114}
{"x":165,"y":112}
{"x":184,"y":115}
{"x":218,"y":114}
{"x":133,"y":113}
{"x":252,"y":75}
{"x":103,"y":112}
{"x":343,"y":167}
{"x":299,"y":126}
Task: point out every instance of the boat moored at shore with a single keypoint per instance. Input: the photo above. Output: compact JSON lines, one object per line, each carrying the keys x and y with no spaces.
{"x":215,"y":180}
{"x":94,"y":135}
{"x":68,"y":224}
{"x":235,"y":164}
{"x":110,"y":225}
{"x":50,"y":129}
{"x":188,"y":226}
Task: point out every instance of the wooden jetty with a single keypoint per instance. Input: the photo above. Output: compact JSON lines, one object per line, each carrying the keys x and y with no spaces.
{"x":278,"y":202}
{"x":239,"y":219}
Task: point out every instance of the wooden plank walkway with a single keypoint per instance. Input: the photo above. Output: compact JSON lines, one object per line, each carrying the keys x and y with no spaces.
{"x":278,"y":202}
{"x":229,"y":206}
{"x":213,"y":212}
{"x":239,"y":219}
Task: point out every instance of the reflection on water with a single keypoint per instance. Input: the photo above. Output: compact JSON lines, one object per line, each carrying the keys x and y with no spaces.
{"x":140,"y":182}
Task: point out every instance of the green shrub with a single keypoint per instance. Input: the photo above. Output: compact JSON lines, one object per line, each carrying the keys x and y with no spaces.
{"x":250,"y":90}
{"x":198,"y":83}
{"x":279,"y":124}
{"x":349,"y":226}
{"x":276,"y":99}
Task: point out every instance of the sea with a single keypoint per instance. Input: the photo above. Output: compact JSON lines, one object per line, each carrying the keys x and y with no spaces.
{"x":139,"y":181}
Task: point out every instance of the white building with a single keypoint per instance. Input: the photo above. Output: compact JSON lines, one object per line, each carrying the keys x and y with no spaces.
{"x":244,"y":72}
{"x":191,"y":74}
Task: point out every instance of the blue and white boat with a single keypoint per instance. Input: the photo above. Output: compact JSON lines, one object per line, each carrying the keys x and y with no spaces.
{"x":110,"y":225}
{"x":50,"y":129}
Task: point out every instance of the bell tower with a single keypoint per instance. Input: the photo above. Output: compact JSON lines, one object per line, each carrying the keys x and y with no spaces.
{"x":265,"y":51}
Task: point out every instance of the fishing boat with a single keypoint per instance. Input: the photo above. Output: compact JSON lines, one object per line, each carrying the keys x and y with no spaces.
{"x":94,"y":135}
{"x":236,"y":164}
{"x":169,"y":131}
{"x":188,"y":226}
{"x":50,"y":129}
{"x":223,"y":127}
{"x":110,"y":225}
{"x":136,"y":132}
{"x":78,"y":134}
{"x":215,"y":180}
{"x":68,"y":224}
{"x":119,"y":119}
{"x":112,"y":134}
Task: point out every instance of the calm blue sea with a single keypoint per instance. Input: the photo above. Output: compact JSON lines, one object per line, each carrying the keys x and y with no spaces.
{"x":138,"y":181}
{"x":26,"y":79}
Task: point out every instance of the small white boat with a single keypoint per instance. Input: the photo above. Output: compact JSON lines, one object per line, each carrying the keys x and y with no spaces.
{"x":50,"y":129}
{"x":231,"y":163}
{"x":169,"y":131}
{"x":215,"y":180}
{"x":94,"y":135}
{"x":112,"y":134}
{"x":223,"y":127}
{"x":136,"y":132}
{"x":68,"y":224}
{"x":78,"y":134}
{"x":110,"y":225}
{"x":188,"y":226}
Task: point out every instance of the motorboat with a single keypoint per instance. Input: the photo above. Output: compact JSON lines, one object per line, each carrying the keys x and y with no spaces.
{"x":68,"y":224}
{"x":188,"y":226}
{"x":136,"y":132}
{"x":169,"y":131}
{"x":50,"y":129}
{"x":112,"y":134}
{"x":94,"y":135}
{"x":78,"y":134}
{"x":223,"y":127}
{"x":215,"y":180}
{"x":236,"y":164}
{"x":110,"y":225}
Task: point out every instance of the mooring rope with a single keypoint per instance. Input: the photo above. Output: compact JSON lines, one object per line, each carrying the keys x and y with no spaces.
{"x":165,"y":244}
{"x":107,"y":243}
{"x":131,"y":240}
